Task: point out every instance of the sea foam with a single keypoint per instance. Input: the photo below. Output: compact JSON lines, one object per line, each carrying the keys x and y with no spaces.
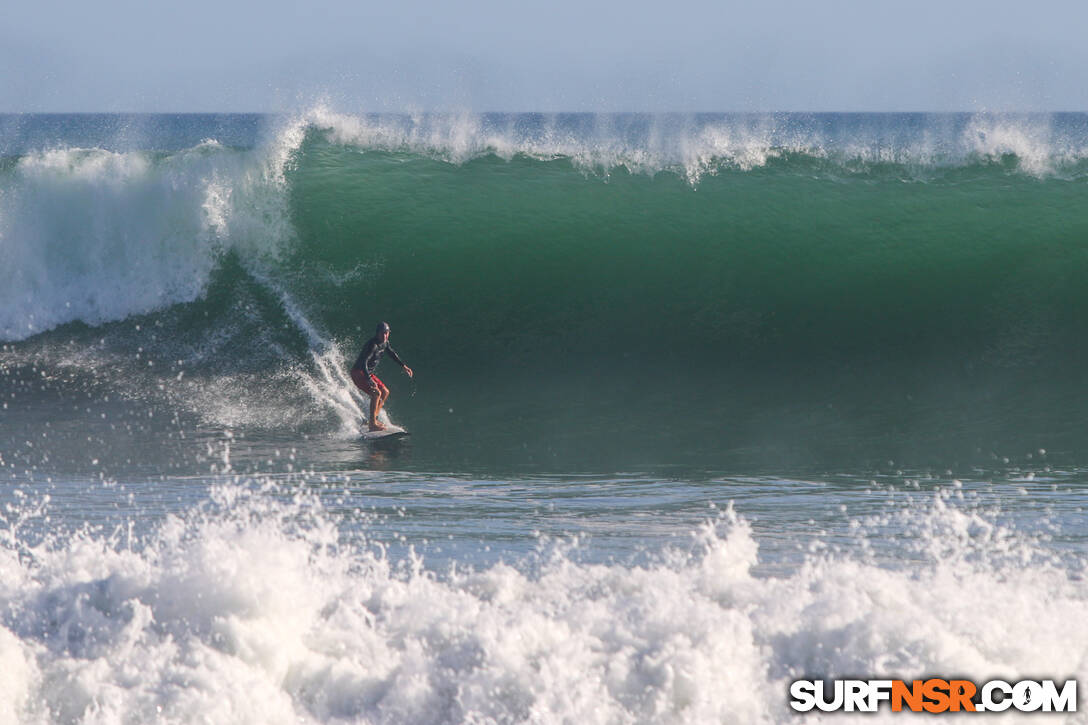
{"x":97,"y":235}
{"x":255,"y":608}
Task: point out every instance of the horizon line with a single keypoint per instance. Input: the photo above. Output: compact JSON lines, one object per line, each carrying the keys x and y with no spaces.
{"x":407,"y":112}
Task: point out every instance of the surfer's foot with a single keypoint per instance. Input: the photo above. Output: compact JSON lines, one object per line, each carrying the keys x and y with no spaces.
{"x":376,"y":426}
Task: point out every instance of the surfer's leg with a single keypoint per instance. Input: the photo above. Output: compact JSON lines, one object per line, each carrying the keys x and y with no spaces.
{"x":375,"y":408}
{"x":383,"y":395}
{"x":370,"y":385}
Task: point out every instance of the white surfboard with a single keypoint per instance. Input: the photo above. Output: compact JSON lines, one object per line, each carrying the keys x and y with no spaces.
{"x":391,"y":431}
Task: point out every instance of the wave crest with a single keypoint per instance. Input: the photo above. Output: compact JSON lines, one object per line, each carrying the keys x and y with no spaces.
{"x":693,"y":146}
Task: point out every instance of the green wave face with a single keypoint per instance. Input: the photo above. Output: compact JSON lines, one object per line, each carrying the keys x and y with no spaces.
{"x":499,"y":259}
{"x":612,"y":303}
{"x":763,"y":305}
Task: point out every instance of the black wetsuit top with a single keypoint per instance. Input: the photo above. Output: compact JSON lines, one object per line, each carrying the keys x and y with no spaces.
{"x":372,"y":355}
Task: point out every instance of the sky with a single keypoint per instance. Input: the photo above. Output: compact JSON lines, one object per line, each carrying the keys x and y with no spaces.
{"x":560,"y":55}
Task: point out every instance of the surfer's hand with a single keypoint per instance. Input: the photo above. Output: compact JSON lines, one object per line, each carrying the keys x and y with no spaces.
{"x":408,"y":370}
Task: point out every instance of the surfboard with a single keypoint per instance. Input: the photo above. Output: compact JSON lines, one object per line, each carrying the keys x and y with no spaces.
{"x":391,"y":431}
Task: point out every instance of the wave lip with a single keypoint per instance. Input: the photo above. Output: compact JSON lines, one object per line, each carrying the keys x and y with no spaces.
{"x":693,"y":146}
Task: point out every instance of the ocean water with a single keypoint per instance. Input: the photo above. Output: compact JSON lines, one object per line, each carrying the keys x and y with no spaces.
{"x":703,"y":404}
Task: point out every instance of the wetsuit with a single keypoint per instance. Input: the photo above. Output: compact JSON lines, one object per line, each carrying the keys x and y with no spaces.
{"x":362,"y":372}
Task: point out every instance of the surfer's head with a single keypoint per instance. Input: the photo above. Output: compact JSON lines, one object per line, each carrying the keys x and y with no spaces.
{"x":383,"y":330}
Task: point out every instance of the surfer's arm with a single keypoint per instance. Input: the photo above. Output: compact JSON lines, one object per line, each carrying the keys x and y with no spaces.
{"x":393,"y":354}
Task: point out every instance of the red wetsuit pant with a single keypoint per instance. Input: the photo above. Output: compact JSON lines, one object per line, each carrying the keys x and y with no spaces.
{"x":369,"y":384}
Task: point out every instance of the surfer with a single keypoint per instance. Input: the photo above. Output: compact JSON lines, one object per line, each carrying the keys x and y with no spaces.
{"x":362,"y":373}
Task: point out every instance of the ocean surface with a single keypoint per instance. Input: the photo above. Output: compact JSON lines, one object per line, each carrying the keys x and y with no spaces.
{"x":702,"y":404}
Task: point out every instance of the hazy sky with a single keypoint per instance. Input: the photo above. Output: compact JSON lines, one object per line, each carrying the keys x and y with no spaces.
{"x":682,"y":55}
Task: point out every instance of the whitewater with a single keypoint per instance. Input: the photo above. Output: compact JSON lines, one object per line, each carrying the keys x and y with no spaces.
{"x":703,"y":404}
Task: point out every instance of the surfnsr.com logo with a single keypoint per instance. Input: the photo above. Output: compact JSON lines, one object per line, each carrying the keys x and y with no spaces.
{"x":933,"y":695}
